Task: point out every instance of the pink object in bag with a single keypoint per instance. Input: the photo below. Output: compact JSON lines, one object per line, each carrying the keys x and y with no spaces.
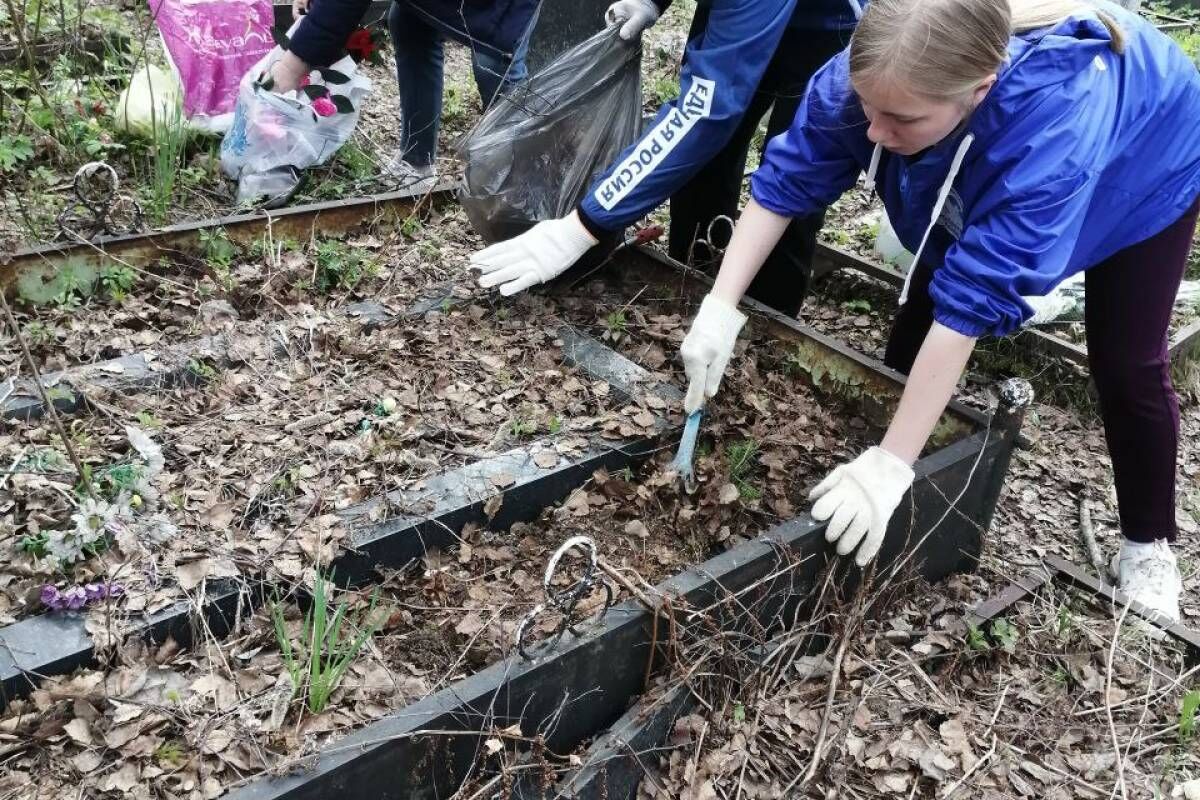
{"x":211,"y":44}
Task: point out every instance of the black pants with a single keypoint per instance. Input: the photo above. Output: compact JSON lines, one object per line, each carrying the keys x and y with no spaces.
{"x":714,"y":191}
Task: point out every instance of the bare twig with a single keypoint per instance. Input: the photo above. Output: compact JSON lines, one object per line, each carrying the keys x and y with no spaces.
{"x":1087,"y":535}
{"x":974,"y":768}
{"x":1112,"y":728}
{"x":50,"y":409}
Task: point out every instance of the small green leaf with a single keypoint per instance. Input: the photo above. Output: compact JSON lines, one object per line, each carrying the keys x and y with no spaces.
{"x":1187,"y":714}
{"x":333,"y":76}
{"x":313,"y":91}
{"x":1005,"y":635}
{"x":342,"y":103}
{"x":739,"y":713}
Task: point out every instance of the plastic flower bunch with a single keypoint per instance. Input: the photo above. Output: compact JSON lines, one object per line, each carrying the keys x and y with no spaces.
{"x":363,"y":44}
{"x":93,"y":522}
{"x":75,"y":598}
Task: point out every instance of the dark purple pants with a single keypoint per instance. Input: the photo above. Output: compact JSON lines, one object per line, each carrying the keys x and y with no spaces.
{"x":1129,"y":300}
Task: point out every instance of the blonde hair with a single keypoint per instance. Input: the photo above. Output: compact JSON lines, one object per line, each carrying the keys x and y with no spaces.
{"x":943,"y":49}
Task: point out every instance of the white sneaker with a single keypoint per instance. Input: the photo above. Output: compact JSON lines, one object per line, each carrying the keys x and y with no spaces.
{"x":1149,"y":575}
{"x":410,"y":177}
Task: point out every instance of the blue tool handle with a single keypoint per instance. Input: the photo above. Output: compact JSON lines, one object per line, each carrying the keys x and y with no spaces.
{"x":687,"y":443}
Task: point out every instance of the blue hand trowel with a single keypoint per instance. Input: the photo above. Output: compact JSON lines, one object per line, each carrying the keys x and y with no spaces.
{"x":687,"y":449}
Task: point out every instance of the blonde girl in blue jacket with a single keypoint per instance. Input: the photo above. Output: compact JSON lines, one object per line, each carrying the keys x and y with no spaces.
{"x":1014,"y":143}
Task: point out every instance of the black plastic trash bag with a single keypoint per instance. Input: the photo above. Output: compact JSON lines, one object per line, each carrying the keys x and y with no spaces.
{"x":538,"y":149}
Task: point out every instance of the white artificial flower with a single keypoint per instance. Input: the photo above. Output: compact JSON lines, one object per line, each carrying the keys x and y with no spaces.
{"x":146,"y":447}
{"x":158,"y":529}
{"x":93,"y":519}
{"x":145,"y":490}
{"x":63,"y":546}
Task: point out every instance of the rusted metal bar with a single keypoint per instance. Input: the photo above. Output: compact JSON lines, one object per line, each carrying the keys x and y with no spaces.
{"x":828,"y":259}
{"x":1068,"y":574}
{"x":1185,"y":343}
{"x":1058,"y":571}
{"x":998,"y":605}
{"x":41,"y":264}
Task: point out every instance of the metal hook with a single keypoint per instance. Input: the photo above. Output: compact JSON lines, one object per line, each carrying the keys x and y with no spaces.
{"x":707,"y":240}
{"x":565,"y":600}
{"x":97,"y":196}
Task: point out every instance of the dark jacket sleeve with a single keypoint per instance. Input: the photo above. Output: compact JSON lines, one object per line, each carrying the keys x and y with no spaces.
{"x":321,"y":38}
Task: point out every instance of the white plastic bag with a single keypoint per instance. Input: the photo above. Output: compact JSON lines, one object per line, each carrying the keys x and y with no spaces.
{"x":273,"y":130}
{"x":1063,"y":302}
{"x":152,"y":98}
{"x":888,"y":246}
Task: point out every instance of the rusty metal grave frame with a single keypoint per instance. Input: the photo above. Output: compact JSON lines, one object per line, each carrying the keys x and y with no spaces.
{"x":140,"y":250}
{"x":1183,"y":345}
{"x":1059,"y":572}
{"x":958,"y":483}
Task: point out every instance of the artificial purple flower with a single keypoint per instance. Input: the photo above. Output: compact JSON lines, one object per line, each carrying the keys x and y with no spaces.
{"x":74,"y":598}
{"x":51,"y":597}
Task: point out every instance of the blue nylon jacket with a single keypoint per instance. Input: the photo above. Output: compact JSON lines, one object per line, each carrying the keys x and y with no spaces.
{"x":1078,"y":152}
{"x":722,"y":68}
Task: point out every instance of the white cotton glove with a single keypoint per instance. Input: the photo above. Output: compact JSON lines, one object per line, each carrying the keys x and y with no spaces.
{"x":541,"y":253}
{"x":637,"y":15}
{"x":707,"y":348}
{"x":859,"y":499}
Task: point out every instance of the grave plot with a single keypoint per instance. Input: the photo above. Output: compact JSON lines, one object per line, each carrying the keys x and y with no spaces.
{"x":138,"y":309}
{"x":454,"y":610}
{"x":276,"y":442}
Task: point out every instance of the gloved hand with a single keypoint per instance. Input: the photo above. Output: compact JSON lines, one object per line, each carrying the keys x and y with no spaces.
{"x":539,"y":254}
{"x":707,"y":348}
{"x":636,"y":14}
{"x":859,"y":499}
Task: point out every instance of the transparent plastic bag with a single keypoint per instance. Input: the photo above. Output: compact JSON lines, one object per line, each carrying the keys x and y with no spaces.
{"x":537,"y":150}
{"x":272,"y":188}
{"x":272,"y":130}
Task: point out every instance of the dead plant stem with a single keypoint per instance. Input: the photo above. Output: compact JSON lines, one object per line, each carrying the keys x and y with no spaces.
{"x":37,"y":380}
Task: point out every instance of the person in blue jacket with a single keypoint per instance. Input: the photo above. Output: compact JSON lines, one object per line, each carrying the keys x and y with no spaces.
{"x":743,"y":57}
{"x":703,"y":209}
{"x":1014,"y":143}
{"x":496,"y":32}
